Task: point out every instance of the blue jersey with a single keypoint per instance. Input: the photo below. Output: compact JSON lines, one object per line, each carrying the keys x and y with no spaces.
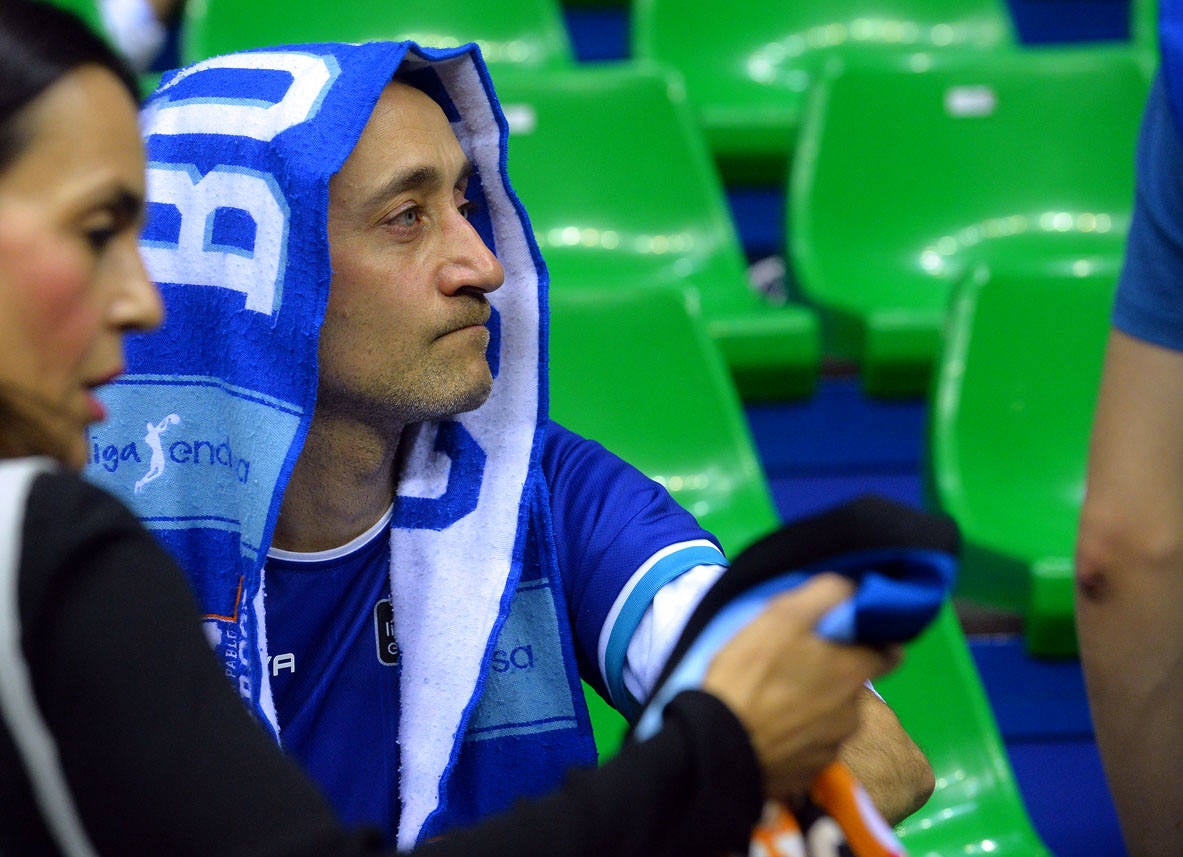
{"x":618,"y":536}
{"x":1149,"y":302}
{"x":333,"y":666}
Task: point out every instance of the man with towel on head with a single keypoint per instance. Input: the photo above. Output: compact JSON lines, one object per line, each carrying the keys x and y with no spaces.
{"x":406,"y":567}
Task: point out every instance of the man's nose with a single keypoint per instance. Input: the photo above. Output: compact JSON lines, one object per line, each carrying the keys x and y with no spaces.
{"x":473,"y":264}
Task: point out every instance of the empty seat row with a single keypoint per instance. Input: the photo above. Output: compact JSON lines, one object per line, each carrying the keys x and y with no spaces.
{"x":916,"y":157}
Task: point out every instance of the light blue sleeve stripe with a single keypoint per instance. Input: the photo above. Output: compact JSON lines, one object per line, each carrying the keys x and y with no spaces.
{"x":664,"y":570}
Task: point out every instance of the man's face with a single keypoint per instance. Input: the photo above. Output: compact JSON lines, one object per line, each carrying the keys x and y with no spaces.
{"x":403,"y":338}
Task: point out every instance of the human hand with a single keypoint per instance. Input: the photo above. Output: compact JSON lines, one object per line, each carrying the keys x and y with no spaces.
{"x":795,"y":693}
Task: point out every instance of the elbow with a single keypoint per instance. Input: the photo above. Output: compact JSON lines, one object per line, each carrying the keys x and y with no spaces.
{"x":921,"y":785}
{"x":926,"y":783}
{"x":1114,"y":545}
{"x":902,"y":783}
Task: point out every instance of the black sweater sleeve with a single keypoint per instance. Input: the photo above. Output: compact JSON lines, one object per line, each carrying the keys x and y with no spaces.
{"x":693,"y":789}
{"x":163,"y":758}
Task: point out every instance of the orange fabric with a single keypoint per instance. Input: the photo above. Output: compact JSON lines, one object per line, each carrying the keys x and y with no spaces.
{"x":843,"y":799}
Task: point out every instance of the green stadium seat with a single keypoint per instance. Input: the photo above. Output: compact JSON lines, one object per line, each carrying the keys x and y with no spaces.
{"x":1144,"y":25}
{"x":1011,"y":413}
{"x":622,"y":193}
{"x":939,"y":698}
{"x":636,"y":371}
{"x":749,"y":64}
{"x":530,"y":33}
{"x":904,"y":181}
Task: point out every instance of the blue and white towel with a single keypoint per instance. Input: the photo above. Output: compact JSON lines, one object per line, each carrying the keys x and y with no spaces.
{"x":214,"y":410}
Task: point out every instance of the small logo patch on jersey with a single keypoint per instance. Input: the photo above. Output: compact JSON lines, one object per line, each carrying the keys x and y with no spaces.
{"x":384,"y":633}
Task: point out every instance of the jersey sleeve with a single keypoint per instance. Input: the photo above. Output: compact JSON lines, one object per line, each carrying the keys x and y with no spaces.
{"x":1149,"y":302}
{"x":619,"y":538}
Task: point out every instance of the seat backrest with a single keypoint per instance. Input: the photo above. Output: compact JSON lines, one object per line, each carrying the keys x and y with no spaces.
{"x":906,"y":180}
{"x":636,"y":370}
{"x":755,"y":50}
{"x":1144,"y":24}
{"x":531,"y":33}
{"x":1013,"y":400}
{"x":750,"y":63}
{"x":939,"y":698}
{"x":618,"y":182}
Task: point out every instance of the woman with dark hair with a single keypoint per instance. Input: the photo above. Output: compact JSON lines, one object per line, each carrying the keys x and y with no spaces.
{"x":98,"y":758}
{"x":36,"y":48}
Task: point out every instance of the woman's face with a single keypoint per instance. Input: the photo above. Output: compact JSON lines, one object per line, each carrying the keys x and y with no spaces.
{"x":71,"y":278}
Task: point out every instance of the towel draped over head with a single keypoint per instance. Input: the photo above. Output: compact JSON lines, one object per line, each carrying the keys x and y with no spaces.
{"x":214,"y":410}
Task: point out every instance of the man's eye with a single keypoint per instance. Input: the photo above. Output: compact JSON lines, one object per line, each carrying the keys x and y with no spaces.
{"x":405,"y":219}
{"x":467,"y":209}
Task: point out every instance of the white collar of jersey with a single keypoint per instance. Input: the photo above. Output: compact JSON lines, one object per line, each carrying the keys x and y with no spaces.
{"x":379,"y":528}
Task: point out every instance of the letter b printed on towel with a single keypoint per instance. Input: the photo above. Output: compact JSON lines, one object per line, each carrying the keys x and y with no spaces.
{"x":250,"y":264}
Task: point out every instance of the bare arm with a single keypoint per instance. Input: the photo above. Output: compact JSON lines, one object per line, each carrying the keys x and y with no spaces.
{"x":893,"y":770}
{"x":1129,"y":602}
